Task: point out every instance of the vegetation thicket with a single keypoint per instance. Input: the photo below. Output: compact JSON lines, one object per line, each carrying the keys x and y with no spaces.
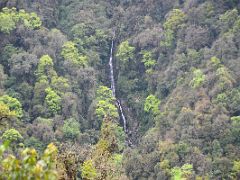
{"x":176,"y":71}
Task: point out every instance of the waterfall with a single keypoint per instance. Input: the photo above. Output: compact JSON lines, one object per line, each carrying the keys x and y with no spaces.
{"x":123,"y":116}
{"x":111,"y":72}
{"x":118,"y":103}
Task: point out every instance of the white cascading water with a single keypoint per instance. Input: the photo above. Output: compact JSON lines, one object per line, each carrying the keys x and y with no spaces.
{"x":122,"y":115}
{"x":114,"y":90}
{"x":111,"y":71}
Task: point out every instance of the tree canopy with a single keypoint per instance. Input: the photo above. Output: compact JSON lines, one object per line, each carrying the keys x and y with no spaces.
{"x":174,"y":112}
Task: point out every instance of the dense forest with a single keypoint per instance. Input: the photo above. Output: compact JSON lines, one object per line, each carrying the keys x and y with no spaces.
{"x":120,"y":89}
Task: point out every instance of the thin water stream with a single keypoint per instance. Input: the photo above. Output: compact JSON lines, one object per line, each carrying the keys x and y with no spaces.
{"x":118,"y":102}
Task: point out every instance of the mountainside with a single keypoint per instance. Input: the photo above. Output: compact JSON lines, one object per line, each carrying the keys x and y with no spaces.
{"x":110,"y":89}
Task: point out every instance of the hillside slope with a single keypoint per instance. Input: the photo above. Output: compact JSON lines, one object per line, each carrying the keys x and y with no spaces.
{"x":176,"y":70}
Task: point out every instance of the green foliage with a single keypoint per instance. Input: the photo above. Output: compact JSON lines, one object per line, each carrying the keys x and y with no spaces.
{"x":198,"y":78}
{"x":195,"y":125}
{"x":168,"y":151}
{"x":165,"y":166}
{"x":148,"y":61}
{"x":221,"y":99}
{"x":117,"y":159}
{"x":106,"y":157}
{"x":176,"y":173}
{"x":71,"y":128}
{"x":45,"y":68}
{"x":106,"y":109}
{"x":5,"y":112}
{"x":182,"y":173}
{"x":10,"y":17}
{"x":11,"y":135}
{"x":152,"y":105}
{"x":89,"y":172}
{"x":112,"y":132}
{"x":106,"y":103}
{"x":168,"y":39}
{"x":175,"y":19}
{"x":236,"y":169}
{"x":236,"y":26}
{"x":217,"y":150}
{"x":33,"y":142}
{"x":225,"y":78}
{"x":53,"y":101}
{"x":235,"y":118}
{"x":45,"y":121}
{"x":7,"y":52}
{"x":215,"y":61}
{"x":70,"y":53}
{"x":30,"y":20}
{"x":60,"y":84}
{"x":29,"y":166}
{"x":227,"y":20}
{"x":193,"y":56}
{"x":125,"y":51}
{"x":230,"y":99}
{"x":105,"y":93}
{"x":13,"y":104}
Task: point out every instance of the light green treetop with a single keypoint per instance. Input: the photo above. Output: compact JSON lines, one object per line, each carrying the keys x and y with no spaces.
{"x":182,"y":173}
{"x":225,"y":78}
{"x":70,"y":53}
{"x":236,"y":168}
{"x":14,"y":105}
{"x":103,"y":92}
{"x":45,"y":68}
{"x":215,"y":61}
{"x":11,"y":135}
{"x":71,"y":128}
{"x":88,"y":170}
{"x":175,"y":18}
{"x":125,"y":51}
{"x":235,"y":118}
{"x":148,"y":61}
{"x":106,"y":103}
{"x":30,"y":20}
{"x":228,"y":19}
{"x":10,"y":17}
{"x":152,"y":104}
{"x":53,"y":100}
{"x":5,"y":112}
{"x":198,"y":78}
